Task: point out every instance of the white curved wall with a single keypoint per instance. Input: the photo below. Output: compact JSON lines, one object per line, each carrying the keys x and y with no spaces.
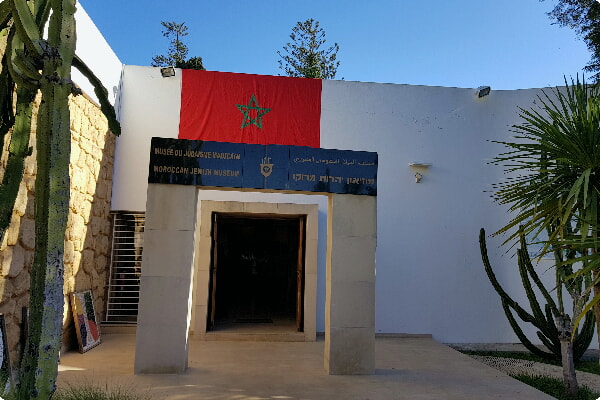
{"x":149,"y":106}
{"x":430,"y":277}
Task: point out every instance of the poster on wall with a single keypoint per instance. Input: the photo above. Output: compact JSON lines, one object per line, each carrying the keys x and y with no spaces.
{"x":84,"y":316}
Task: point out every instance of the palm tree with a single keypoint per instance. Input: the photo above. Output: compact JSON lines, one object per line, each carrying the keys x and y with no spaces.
{"x":555,"y":178}
{"x":554,"y":189}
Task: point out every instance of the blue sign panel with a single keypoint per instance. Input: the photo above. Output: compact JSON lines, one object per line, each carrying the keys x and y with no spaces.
{"x":332,"y":171}
{"x":193,"y":162}
{"x":252,"y":166}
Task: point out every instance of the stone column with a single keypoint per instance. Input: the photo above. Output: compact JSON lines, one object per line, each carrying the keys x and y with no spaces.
{"x":350,"y":298}
{"x":166,"y":282}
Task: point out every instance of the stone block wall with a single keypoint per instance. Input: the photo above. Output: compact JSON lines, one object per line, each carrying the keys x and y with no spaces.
{"x":87,"y":240}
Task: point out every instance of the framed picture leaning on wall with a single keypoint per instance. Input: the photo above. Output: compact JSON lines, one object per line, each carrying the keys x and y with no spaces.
{"x":84,"y":316}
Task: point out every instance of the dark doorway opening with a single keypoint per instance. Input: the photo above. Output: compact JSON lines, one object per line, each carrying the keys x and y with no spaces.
{"x":257,"y":272}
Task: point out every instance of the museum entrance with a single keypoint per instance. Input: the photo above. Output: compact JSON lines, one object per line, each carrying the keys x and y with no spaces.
{"x":254,"y":281}
{"x":256,"y":272}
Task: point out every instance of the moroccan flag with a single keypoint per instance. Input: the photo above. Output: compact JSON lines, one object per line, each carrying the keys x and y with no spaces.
{"x":244,"y":108}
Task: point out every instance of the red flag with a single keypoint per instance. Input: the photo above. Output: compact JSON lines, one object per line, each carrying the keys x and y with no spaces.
{"x":244,"y":108}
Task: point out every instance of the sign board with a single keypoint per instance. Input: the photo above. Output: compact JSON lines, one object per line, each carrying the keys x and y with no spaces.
{"x":253,"y":166}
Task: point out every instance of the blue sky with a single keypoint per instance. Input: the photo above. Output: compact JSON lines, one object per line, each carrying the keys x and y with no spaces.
{"x":508,"y":44}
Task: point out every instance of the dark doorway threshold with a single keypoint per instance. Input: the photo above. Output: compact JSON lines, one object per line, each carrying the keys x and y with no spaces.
{"x":257,"y":277}
{"x":280,"y":329}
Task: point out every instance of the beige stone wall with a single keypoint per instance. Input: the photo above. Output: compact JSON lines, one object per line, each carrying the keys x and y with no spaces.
{"x":87,"y":240}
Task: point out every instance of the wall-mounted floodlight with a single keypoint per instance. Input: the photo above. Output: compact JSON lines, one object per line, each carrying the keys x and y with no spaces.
{"x":167,"y":72}
{"x":483,"y":91}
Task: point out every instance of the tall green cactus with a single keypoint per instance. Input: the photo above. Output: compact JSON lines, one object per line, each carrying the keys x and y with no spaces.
{"x":18,"y":150}
{"x":546,"y":319}
{"x":33,"y":63}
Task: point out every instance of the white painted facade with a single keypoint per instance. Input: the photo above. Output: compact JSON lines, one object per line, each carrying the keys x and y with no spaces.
{"x":93,"y":49}
{"x":430,"y":278}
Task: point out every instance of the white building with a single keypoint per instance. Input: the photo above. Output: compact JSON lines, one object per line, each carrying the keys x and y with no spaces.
{"x":429,"y":274}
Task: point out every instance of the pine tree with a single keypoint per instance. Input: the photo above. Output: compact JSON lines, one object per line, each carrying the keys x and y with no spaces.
{"x":583,"y":16}
{"x":178,"y":51}
{"x":305,"y":56}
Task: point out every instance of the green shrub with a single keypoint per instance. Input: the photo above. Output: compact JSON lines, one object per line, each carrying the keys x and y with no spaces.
{"x":555,"y":387}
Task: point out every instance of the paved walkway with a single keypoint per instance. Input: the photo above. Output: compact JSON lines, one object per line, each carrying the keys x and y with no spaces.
{"x":406,"y":368}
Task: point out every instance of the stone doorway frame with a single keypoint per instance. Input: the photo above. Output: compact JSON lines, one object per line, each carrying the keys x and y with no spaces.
{"x":167,"y":282}
{"x":202,"y":269}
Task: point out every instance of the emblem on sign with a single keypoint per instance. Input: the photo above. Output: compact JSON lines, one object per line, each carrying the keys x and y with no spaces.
{"x":266,"y":167}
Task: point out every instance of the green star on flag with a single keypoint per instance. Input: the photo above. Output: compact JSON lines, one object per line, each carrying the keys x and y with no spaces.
{"x":252,"y":107}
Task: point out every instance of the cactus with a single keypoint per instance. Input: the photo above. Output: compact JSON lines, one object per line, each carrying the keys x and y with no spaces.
{"x":33,"y":63}
{"x":18,"y":150}
{"x":545,"y":320}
